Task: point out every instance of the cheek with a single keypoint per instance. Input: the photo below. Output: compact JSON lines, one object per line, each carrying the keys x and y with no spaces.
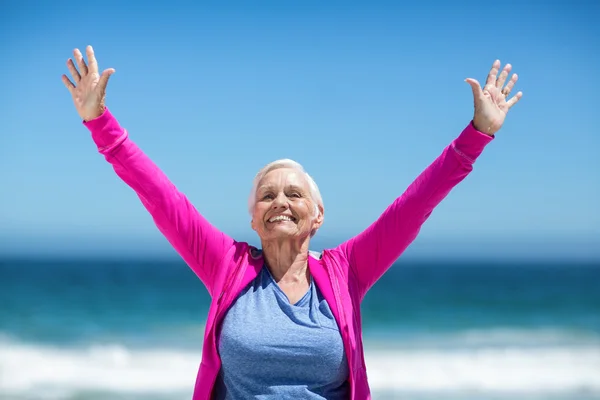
{"x":308,"y":209}
{"x":258,"y":213}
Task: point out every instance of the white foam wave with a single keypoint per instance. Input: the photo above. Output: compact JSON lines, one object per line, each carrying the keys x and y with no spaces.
{"x":30,"y":369}
{"x":492,"y":370}
{"x":26,"y":368}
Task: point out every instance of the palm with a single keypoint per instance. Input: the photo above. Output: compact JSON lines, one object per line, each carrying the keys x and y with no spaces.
{"x":89,"y":89}
{"x":491,"y":104}
{"x":86,"y":96}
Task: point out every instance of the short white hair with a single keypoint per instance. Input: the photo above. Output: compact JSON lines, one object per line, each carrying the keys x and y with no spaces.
{"x":315,"y":194}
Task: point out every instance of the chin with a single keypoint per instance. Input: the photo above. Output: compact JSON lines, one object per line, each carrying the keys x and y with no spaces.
{"x":282,"y":232}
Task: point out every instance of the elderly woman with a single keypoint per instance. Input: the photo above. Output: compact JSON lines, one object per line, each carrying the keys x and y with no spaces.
{"x":285,"y":322}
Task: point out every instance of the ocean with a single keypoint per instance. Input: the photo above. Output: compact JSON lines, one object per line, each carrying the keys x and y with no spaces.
{"x":132,"y":329}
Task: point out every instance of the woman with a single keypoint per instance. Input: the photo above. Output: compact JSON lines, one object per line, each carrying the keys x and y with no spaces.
{"x":285,"y":322}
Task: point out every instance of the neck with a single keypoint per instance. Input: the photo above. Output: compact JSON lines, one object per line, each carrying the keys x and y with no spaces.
{"x":287,"y":260}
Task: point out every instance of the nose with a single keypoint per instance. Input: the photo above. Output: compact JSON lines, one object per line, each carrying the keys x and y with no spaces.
{"x":280,"y":202}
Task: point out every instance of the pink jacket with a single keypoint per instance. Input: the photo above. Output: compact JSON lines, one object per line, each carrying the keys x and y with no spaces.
{"x":344,"y":274}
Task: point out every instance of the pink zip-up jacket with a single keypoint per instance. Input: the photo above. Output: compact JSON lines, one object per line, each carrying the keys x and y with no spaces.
{"x":344,"y":274}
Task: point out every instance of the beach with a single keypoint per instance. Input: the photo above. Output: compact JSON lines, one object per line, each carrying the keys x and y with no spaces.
{"x":132,"y":329}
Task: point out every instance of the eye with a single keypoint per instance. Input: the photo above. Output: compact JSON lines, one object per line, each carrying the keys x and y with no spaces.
{"x":296,"y":195}
{"x":268,"y":196}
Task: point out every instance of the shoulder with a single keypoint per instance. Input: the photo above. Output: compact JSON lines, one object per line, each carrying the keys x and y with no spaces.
{"x":336,"y":259}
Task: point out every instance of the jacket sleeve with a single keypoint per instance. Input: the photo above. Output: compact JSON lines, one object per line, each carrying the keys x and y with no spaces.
{"x":200,"y":244}
{"x":375,"y":249}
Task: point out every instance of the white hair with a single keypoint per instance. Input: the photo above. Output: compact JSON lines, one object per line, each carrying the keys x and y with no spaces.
{"x":315,"y":194}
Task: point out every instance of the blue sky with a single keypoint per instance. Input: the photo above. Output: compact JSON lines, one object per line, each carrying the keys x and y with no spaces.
{"x":364,"y":95}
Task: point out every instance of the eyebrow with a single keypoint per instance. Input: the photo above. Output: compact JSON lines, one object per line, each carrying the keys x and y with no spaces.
{"x":270,"y":187}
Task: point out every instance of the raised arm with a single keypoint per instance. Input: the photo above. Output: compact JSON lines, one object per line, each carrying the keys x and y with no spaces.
{"x":374,"y":250}
{"x":199,"y":243}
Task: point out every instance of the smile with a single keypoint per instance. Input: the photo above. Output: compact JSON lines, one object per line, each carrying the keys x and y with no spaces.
{"x":279,"y":218}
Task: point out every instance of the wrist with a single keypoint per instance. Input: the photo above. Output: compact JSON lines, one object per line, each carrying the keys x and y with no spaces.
{"x":488,"y":131}
{"x":94,"y":115}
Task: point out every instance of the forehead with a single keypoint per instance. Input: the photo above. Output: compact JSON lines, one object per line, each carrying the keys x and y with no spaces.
{"x":283,"y":177}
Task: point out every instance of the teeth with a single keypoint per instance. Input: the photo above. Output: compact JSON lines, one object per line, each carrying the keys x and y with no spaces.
{"x":281,"y":218}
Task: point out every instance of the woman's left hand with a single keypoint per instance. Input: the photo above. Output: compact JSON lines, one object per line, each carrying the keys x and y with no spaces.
{"x":491,"y":102}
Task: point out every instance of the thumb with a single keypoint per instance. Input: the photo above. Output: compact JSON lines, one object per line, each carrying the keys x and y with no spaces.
{"x":477,"y":92}
{"x":103,"y":81}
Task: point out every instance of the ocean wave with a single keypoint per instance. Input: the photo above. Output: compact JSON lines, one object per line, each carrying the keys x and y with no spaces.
{"x":491,"y":337}
{"x":29,"y":369}
{"x":510,"y":370}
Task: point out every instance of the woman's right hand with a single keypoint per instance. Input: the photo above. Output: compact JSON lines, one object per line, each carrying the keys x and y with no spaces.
{"x":89,"y":88}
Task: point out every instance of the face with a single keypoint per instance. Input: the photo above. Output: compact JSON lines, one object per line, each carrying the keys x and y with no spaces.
{"x":284,"y":207}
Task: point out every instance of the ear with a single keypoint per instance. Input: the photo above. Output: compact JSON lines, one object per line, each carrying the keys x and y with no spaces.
{"x":319,"y":219}
{"x":252,"y":224}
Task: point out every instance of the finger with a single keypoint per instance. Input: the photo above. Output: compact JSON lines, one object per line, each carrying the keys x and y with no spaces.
{"x":92,"y":63}
{"x":503,"y":75}
{"x":477,"y":92}
{"x":80,"y":62}
{"x":514,"y":99}
{"x":68,"y":83}
{"x":509,"y":86}
{"x":74,"y":73}
{"x":491,"y":78}
{"x":103,"y":81}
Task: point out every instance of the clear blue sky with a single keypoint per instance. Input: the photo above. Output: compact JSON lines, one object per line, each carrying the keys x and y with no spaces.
{"x":365,"y":95}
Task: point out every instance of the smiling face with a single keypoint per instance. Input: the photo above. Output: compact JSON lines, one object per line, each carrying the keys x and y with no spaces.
{"x":284,"y":207}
